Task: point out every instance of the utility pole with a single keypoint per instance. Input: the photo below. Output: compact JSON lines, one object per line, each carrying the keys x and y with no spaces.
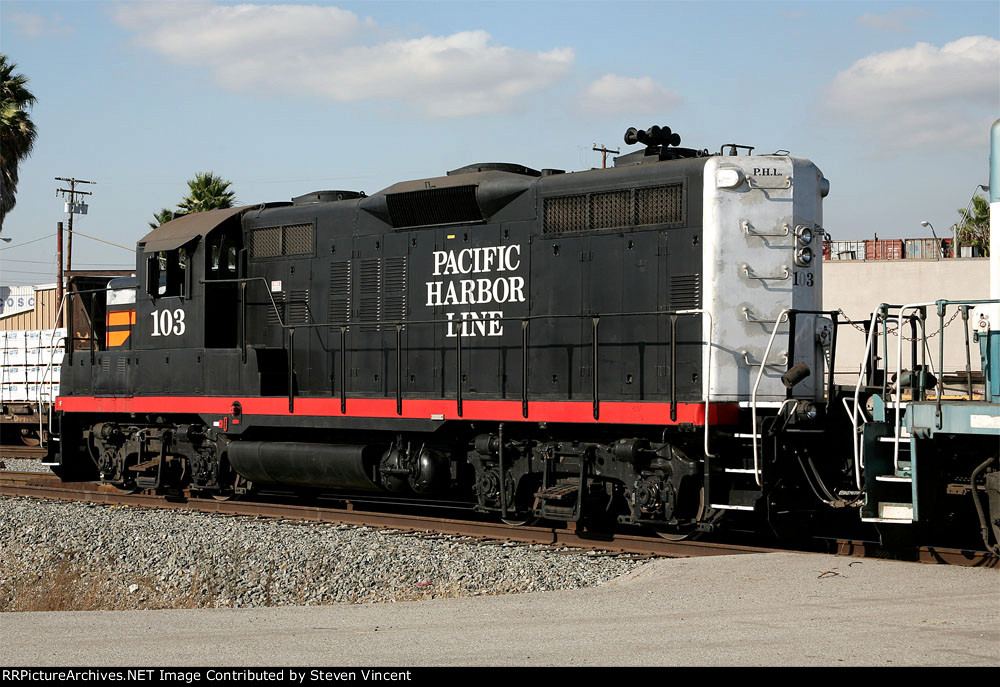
{"x":59,"y":274}
{"x":604,"y":150}
{"x":72,"y":207}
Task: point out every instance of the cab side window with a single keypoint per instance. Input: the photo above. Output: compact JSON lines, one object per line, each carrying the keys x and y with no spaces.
{"x":166,"y":273}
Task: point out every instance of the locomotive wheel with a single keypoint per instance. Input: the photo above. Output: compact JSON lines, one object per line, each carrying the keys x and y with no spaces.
{"x":29,"y":437}
{"x":528,"y":521}
{"x":705,"y":515}
{"x":227,"y":492}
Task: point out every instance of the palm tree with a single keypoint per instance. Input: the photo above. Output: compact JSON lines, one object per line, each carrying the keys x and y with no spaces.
{"x":17,"y":132}
{"x":207,"y":192}
{"x":974,"y":227}
{"x":164,"y":216}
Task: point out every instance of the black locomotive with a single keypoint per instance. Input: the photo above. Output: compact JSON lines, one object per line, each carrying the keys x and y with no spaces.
{"x":641,"y":344}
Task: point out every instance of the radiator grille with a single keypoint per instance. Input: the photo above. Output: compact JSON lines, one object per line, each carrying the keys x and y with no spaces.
{"x":288,"y":239}
{"x":298,"y":307}
{"x":297,"y":239}
{"x":659,"y":204}
{"x":370,"y":298}
{"x":685,"y":292}
{"x":434,"y":206}
{"x":339,"y":311}
{"x":273,"y":312}
{"x":394,"y":281}
{"x":568,"y":213}
{"x":265,"y":243}
{"x":611,"y":209}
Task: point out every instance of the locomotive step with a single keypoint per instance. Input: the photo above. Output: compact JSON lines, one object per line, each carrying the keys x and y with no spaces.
{"x":568,"y":513}
{"x":142,"y":467}
{"x":557,"y":492}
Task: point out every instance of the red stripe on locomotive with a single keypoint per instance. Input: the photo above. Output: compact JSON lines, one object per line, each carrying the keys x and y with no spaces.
{"x":611,"y":412}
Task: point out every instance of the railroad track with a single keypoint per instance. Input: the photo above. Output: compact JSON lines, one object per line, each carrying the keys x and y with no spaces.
{"x":47,"y":486}
{"x":11,"y":451}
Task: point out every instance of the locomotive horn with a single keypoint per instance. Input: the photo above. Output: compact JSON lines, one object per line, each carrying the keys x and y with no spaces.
{"x":653,"y":136}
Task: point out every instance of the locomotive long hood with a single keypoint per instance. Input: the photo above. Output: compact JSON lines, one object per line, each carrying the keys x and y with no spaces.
{"x":177,"y":232}
{"x":461,"y":198}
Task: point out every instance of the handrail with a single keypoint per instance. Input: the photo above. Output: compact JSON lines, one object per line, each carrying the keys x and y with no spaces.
{"x":757,"y":472}
{"x":708,"y":369}
{"x":855,"y":442}
{"x":899,"y":377}
{"x":776,"y":277}
{"x":748,"y":230}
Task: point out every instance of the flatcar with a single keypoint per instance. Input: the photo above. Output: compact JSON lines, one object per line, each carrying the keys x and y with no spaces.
{"x":639,"y":345}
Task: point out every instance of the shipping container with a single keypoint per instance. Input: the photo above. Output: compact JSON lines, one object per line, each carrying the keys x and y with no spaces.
{"x":847,"y":250}
{"x":927,"y":249}
{"x":884,"y":249}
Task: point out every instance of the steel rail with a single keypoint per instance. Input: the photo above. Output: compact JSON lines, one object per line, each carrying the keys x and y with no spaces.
{"x":46,"y":486}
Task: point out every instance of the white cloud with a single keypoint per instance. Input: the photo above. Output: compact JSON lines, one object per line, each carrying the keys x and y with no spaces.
{"x":333,"y":53}
{"x":915,"y":96}
{"x":618,"y":94}
{"x":895,"y":20}
{"x":36,"y":25}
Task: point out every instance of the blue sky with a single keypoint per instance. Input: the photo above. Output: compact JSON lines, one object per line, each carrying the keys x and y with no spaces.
{"x":893,"y":101}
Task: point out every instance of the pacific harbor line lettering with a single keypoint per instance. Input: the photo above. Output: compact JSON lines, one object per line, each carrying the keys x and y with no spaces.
{"x":476,"y":291}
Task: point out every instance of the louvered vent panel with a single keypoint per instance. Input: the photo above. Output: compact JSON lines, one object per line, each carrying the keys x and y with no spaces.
{"x":370,"y":298}
{"x":340,"y":293}
{"x":685,"y":292}
{"x":394,"y":280}
{"x":265,"y":243}
{"x":298,"y":307}
{"x":568,"y":213}
{"x":613,"y":209}
{"x":297,"y":239}
{"x":434,"y":206}
{"x":272,"y":313}
{"x":660,"y":204}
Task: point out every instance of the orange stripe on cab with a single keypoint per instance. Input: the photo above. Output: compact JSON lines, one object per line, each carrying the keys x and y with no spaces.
{"x":115,"y":339}
{"x":121,"y":317}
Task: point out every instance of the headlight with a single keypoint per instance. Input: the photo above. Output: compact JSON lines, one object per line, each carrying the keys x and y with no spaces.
{"x":806,"y":410}
{"x":804,"y":235}
{"x":804,"y":256}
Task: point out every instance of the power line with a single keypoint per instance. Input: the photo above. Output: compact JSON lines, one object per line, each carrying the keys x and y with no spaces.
{"x":24,"y":272}
{"x":36,"y":262}
{"x":29,"y":242}
{"x":116,"y":245}
{"x":52,"y":262}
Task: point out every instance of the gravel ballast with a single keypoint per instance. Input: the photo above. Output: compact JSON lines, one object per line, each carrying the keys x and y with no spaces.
{"x":22,"y":465}
{"x":71,"y":556}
